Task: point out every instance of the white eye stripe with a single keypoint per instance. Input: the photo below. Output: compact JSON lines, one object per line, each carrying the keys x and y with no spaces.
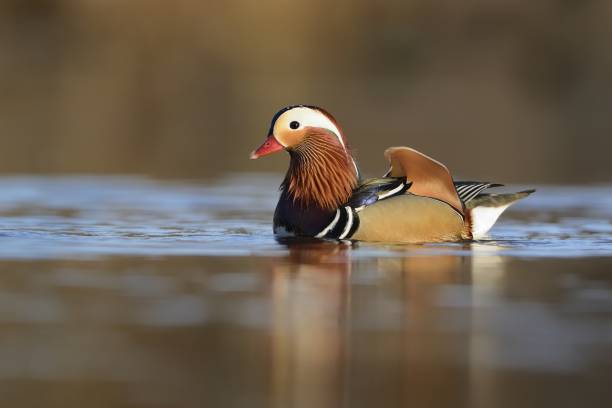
{"x":308,"y":117}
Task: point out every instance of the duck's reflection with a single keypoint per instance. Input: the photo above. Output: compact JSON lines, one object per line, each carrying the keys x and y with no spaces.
{"x":311,"y":303}
{"x":344,"y":325}
{"x":316,"y":324}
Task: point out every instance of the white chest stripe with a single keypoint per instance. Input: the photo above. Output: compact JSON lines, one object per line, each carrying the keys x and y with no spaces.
{"x":349,"y":223}
{"x":330,"y":226}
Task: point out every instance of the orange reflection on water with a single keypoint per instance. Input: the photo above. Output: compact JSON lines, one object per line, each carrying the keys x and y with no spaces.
{"x":311,"y":300}
{"x":320,"y":325}
{"x":332,"y":339}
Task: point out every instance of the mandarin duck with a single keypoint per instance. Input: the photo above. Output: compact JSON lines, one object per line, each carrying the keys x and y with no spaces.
{"x":416,"y":201}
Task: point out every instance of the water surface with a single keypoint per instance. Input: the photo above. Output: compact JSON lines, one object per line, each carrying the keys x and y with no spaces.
{"x":123,"y":291}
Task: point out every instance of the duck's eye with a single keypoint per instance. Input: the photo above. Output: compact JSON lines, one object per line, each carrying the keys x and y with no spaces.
{"x":294,"y":125}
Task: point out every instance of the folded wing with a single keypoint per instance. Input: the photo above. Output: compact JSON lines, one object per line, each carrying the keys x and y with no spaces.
{"x":429,"y":177}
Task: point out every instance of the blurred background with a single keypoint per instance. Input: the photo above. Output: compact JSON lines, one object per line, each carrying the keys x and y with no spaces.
{"x":129,"y":291}
{"x":514,"y":91}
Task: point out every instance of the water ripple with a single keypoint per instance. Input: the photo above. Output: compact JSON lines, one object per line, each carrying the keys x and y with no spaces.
{"x":55,"y":217}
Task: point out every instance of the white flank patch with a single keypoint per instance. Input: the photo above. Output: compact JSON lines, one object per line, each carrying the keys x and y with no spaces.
{"x":483,"y":219}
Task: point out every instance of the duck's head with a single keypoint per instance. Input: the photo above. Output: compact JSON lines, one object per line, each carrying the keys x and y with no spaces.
{"x":322,"y":171}
{"x":292,"y":126}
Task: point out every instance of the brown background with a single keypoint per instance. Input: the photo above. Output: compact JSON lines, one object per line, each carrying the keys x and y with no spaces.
{"x":514,"y":91}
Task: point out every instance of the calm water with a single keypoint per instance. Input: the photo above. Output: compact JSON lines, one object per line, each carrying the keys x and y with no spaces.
{"x":131,"y":292}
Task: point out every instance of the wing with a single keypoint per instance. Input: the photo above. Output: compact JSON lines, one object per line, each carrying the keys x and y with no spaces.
{"x":429,"y":177}
{"x":377,"y":189}
{"x":468,"y":190}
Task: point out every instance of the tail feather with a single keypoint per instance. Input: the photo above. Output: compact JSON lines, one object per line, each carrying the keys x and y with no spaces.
{"x":485,"y":209}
